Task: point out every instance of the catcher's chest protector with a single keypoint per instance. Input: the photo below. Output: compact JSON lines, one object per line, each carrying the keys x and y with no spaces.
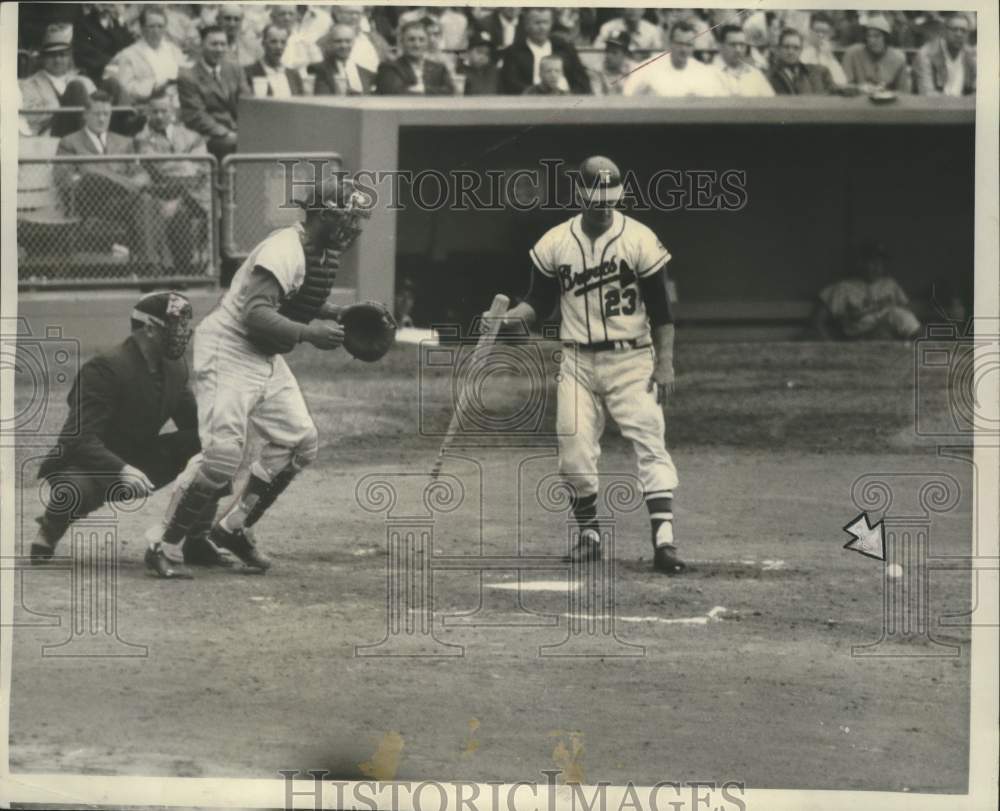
{"x":304,"y":304}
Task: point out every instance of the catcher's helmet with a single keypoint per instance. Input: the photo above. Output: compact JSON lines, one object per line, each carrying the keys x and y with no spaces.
{"x":332,"y":190}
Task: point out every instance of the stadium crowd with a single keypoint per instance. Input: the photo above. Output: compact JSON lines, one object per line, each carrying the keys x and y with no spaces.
{"x":206,"y":56}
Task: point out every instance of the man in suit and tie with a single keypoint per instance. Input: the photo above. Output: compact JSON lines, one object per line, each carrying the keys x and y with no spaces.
{"x":947,"y":66}
{"x":111,"y":447}
{"x":55,"y":85}
{"x":338,"y":74}
{"x":267,"y":74}
{"x":210,"y":92}
{"x":109,"y":190}
{"x":522,"y":61}
{"x":413,"y":73}
{"x":182,"y":187}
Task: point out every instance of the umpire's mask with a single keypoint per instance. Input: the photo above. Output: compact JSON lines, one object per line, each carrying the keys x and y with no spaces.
{"x":170,"y":311}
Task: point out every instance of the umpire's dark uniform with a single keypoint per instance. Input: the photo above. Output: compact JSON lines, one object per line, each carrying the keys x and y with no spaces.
{"x":119,"y":402}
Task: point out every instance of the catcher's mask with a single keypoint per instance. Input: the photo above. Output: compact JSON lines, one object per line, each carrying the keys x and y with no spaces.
{"x":341,"y":207}
{"x":172,"y":312}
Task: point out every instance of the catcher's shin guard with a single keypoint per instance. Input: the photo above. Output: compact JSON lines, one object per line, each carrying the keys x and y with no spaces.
{"x":192,"y":506}
{"x":257,"y":497}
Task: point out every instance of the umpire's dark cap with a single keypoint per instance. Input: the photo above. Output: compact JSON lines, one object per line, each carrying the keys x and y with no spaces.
{"x":160,"y":308}
{"x":599,"y":180}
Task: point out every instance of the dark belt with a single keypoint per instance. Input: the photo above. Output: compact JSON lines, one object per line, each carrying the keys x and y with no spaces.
{"x":606,"y":346}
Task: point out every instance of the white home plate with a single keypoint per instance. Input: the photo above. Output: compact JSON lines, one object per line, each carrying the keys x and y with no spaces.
{"x":535,"y":585}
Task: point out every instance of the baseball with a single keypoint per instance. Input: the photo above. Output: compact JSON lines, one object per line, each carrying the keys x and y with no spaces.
{"x":894,"y":570}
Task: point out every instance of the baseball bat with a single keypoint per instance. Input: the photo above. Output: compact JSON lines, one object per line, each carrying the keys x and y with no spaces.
{"x":486,"y":339}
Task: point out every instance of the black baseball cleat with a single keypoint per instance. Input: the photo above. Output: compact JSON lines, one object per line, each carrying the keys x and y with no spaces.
{"x":200,"y":551}
{"x":665,"y":560}
{"x":241,"y":545}
{"x":42,"y":554}
{"x":159,"y":565}
{"x":587,"y":548}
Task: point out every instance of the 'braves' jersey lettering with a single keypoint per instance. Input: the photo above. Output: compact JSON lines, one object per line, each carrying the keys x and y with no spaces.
{"x":599,"y":278}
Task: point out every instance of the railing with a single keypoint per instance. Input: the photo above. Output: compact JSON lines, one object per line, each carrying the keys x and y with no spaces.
{"x":116,"y":220}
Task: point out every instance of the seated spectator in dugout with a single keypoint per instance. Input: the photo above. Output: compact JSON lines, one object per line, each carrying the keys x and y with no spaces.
{"x":152,"y":62}
{"x":182,"y":187}
{"x":947,"y":66}
{"x":116,"y":192}
{"x":819,"y":49}
{"x":552,"y":80}
{"x":873,"y":65}
{"x":869,"y":305}
{"x":268,"y":76}
{"x":54,"y":85}
{"x":736,"y":74}
{"x":522,"y":60}
{"x":617,"y":65}
{"x":642,"y":34}
{"x":790,"y":77}
{"x":210,"y":93}
{"x":679,"y":74}
{"x":338,"y":74}
{"x":97,"y":36}
{"x":480,"y":69}
{"x":111,"y":448}
{"x":413,"y":73}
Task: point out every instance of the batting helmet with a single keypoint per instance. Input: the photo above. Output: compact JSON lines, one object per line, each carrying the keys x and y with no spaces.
{"x":599,"y":181}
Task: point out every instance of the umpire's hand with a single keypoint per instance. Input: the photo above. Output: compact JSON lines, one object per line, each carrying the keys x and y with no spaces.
{"x":662,"y":384}
{"x":138,"y":480}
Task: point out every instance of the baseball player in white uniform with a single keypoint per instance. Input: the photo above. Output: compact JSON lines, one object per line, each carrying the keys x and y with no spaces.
{"x":608,"y":271}
{"x":241,"y":379}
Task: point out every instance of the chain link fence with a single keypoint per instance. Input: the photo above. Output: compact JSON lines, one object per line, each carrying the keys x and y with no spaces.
{"x":256,"y":188}
{"x":149,"y":220}
{"x":114,"y":220}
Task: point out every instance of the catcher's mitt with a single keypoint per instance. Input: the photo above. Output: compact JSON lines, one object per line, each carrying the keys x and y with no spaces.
{"x":369,"y":330}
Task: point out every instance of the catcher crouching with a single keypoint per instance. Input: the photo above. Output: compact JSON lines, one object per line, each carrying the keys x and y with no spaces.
{"x":277,"y":300}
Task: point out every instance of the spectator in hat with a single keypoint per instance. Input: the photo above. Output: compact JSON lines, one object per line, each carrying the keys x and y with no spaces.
{"x":522,"y":60}
{"x":482,"y":76}
{"x":182,"y":188}
{"x":678,"y":74}
{"x":947,"y":66}
{"x":789,"y":77}
{"x":866,"y":305}
{"x":642,"y":34}
{"x":97,"y":36}
{"x":268,"y":76}
{"x":210,"y":93}
{"x":111,"y":448}
{"x":54,"y":85}
{"x":116,"y":192}
{"x":819,"y":49}
{"x":616,"y":65}
{"x":552,"y":80}
{"x":735,"y":73}
{"x":338,"y":74}
{"x":413,"y":73}
{"x":150,"y":63}
{"x":873,"y":65}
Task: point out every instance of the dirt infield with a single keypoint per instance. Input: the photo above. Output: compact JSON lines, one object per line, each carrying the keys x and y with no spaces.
{"x":745,"y":669}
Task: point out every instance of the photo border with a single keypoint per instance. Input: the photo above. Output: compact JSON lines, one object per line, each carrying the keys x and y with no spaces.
{"x":262,"y":793}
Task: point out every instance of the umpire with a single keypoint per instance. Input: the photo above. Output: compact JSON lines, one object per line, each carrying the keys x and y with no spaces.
{"x":111,"y":447}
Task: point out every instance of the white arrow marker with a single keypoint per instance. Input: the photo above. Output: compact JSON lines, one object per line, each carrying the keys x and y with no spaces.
{"x":868,"y":540}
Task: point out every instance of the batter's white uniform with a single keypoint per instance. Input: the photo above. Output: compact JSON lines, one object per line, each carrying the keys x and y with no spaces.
{"x":236,"y":385}
{"x":601,"y":302}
